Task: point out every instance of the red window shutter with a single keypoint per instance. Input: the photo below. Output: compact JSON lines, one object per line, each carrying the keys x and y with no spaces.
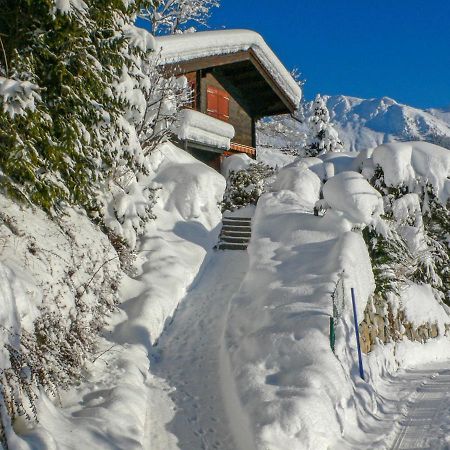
{"x":218,"y":103}
{"x":224,"y":106}
{"x":212,"y":102}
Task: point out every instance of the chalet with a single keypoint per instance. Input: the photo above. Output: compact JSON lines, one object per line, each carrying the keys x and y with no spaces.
{"x":236,"y":79}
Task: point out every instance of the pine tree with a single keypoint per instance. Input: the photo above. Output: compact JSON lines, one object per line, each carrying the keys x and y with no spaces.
{"x":65,"y":148}
{"x":322,"y":137}
{"x":436,"y":218}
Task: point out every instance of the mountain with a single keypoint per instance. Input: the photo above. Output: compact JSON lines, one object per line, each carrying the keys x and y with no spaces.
{"x":361,"y":123}
{"x":365,"y":123}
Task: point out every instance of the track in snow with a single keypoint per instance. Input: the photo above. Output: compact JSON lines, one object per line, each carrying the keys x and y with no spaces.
{"x":427,"y":419}
{"x":188,"y":356}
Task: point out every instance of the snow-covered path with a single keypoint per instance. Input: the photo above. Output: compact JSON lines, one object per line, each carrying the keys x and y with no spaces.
{"x":188,"y":356}
{"x":426,"y":424}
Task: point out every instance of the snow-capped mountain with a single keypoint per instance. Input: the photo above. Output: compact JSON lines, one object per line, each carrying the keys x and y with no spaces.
{"x":367,"y":123}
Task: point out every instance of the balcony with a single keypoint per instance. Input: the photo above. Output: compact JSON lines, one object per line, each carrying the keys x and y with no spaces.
{"x":240,"y":148}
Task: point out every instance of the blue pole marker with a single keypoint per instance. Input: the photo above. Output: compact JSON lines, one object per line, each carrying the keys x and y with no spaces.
{"x":361,"y":368}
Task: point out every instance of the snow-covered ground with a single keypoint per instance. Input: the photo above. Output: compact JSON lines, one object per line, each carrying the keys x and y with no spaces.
{"x":426,"y":421}
{"x":188,"y":357}
{"x":111,"y":406}
{"x":242,"y":358}
{"x":294,"y":391}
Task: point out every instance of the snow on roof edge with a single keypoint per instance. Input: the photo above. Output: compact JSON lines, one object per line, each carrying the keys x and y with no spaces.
{"x":185,"y":47}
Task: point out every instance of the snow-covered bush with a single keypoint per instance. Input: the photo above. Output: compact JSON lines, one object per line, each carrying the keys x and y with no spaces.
{"x":244,"y":187}
{"x":59,"y":282}
{"x":282,"y":133}
{"x":413,"y":246}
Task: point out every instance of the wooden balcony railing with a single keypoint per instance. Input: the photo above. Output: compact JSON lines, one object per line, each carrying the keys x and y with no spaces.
{"x":240,"y":148}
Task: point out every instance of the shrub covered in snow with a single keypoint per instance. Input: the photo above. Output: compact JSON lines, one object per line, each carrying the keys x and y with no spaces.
{"x":59,"y":282}
{"x":413,"y":245}
{"x":245,"y":186}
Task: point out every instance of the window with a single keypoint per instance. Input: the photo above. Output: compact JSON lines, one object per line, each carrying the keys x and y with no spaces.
{"x":218,"y":103}
{"x":192,"y":82}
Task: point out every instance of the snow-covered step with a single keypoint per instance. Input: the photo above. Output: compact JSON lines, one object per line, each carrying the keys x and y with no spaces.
{"x":239,"y":233}
{"x":236,"y":233}
{"x":231,"y":246}
{"x":241,"y":229}
{"x":248,"y":219}
{"x":236,"y":223}
{"x":238,"y":240}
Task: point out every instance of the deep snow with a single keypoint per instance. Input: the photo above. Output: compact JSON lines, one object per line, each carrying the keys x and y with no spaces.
{"x":114,"y":403}
{"x":246,"y":362}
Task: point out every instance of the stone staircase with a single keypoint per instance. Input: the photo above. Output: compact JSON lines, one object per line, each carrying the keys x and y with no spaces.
{"x":235,"y":234}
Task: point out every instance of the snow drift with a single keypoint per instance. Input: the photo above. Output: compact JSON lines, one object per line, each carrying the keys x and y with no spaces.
{"x":108,"y":409}
{"x":293,"y":391}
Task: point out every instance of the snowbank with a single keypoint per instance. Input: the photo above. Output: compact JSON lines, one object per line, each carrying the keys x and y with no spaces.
{"x":235,"y":163}
{"x":184,"y":47}
{"x":354,"y":197}
{"x":118,"y":400}
{"x":298,"y":179}
{"x":409,"y":162}
{"x":175,"y":245}
{"x":198,"y":127}
{"x":420,"y":306}
{"x":292,"y":388}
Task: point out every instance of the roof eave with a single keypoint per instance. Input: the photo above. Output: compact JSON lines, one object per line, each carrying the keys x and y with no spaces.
{"x":192,"y":65}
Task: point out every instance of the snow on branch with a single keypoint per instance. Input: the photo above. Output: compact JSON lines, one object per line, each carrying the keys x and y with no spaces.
{"x":176,"y":16}
{"x":18,"y":96}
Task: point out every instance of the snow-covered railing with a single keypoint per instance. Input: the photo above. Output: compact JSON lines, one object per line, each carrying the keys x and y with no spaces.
{"x":241,"y":148}
{"x":197,"y":127}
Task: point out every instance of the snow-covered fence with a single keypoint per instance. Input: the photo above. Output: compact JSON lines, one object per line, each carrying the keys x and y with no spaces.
{"x":338,"y":299}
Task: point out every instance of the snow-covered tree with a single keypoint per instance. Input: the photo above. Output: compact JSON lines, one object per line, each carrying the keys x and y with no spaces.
{"x":165,"y":95}
{"x":287,"y":132}
{"x":282,"y":133}
{"x":413,"y":245}
{"x":177,"y":16}
{"x":322,"y":137}
{"x":74,"y":53}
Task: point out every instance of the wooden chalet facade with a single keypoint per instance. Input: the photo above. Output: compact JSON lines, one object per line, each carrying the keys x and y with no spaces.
{"x":234,"y":85}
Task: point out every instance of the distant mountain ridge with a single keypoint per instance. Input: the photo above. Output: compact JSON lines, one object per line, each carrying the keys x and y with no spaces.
{"x":366,"y":123}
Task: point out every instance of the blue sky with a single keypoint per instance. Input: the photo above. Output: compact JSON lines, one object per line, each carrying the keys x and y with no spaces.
{"x":364,"y":48}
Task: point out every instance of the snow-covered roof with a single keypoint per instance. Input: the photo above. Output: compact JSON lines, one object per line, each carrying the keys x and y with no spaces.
{"x":184,"y":47}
